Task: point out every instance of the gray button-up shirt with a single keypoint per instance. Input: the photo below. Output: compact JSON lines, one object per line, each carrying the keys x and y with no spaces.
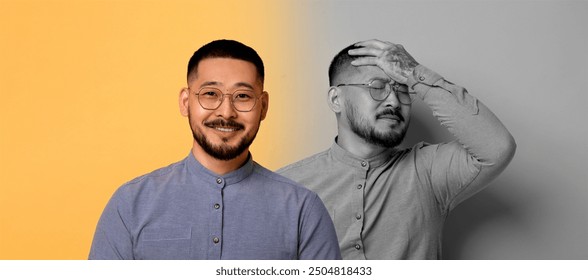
{"x":393,"y":205}
{"x":185,"y":211}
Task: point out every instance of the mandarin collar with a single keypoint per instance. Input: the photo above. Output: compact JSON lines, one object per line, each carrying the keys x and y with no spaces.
{"x":348,"y":158}
{"x":233,"y":177}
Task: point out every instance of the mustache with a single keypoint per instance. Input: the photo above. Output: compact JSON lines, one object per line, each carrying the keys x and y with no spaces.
{"x":224,"y":123}
{"x":390,"y":112}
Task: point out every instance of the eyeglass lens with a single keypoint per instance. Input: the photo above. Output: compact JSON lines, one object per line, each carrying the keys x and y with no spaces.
{"x":211,"y":99}
{"x":382,"y":93}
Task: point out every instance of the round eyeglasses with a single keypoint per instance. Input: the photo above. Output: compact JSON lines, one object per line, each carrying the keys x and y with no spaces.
{"x":211,"y":98}
{"x":380,"y":90}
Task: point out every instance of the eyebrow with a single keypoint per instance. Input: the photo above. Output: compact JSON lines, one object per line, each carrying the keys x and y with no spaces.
{"x":237,"y":85}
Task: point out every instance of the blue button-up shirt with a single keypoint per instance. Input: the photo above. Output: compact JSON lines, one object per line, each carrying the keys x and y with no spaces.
{"x":185,"y":211}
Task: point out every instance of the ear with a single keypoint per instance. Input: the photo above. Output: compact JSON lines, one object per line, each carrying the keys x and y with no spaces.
{"x":264,"y":104}
{"x":334,"y":100}
{"x":183,"y":101}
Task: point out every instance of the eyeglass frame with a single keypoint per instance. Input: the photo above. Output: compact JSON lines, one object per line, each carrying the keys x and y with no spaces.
{"x":392,"y":87}
{"x":222,"y":98}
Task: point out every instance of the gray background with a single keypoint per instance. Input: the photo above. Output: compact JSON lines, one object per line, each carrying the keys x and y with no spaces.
{"x":526,"y":60}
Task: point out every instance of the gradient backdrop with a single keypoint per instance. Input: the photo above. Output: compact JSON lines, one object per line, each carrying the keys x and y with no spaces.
{"x":88,"y":101}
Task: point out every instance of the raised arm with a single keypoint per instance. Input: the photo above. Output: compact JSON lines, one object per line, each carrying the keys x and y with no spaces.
{"x":488,"y":143}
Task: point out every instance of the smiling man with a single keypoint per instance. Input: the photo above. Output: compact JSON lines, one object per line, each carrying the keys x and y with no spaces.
{"x":217,"y":203}
{"x":387,"y":202}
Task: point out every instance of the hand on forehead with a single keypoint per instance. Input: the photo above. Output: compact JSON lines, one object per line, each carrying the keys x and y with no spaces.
{"x":393,"y":59}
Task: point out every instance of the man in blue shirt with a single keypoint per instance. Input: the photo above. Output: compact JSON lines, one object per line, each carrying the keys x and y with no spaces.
{"x":217,"y":203}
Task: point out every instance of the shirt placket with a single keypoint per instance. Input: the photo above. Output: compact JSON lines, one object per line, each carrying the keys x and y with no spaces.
{"x":215,"y":236}
{"x":358,"y":207}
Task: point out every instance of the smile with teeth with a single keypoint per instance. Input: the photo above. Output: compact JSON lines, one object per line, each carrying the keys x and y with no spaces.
{"x":226,"y":129}
{"x":224,"y":126}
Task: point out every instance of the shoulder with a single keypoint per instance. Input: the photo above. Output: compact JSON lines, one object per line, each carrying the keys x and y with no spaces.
{"x":278,"y":182}
{"x":440,"y":156}
{"x":153,"y":181}
{"x":424,"y":148}
{"x":309,"y":163}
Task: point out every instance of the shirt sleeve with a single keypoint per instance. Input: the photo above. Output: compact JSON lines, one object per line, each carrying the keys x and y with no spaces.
{"x":483,"y":146}
{"x":318,"y":240}
{"x":112,"y":239}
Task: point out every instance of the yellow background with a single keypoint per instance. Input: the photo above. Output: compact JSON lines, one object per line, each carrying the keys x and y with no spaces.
{"x":88,"y":94}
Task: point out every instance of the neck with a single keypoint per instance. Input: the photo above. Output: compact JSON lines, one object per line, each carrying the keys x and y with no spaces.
{"x":220,"y":167}
{"x":357,"y":146}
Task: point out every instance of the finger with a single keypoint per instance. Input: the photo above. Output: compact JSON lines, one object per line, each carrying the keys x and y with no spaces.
{"x":366,"y":51}
{"x":375,"y":43}
{"x":364,"y":61}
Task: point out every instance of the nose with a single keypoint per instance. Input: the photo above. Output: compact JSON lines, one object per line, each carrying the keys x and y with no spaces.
{"x":226,"y":109}
{"x":392,"y":99}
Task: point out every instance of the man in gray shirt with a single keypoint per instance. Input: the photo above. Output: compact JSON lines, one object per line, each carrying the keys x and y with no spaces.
{"x":386,"y":202}
{"x":217,"y":203}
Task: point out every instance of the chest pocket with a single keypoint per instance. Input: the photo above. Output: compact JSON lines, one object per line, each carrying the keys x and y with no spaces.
{"x":164,"y":243}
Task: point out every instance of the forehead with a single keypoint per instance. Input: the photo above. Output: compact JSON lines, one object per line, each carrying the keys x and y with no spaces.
{"x":364,"y":73}
{"x":227,"y":71}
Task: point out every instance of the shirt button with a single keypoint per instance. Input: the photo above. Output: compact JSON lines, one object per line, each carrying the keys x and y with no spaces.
{"x":359,"y":187}
{"x":421,"y":78}
{"x":216,"y":206}
{"x":358,"y":216}
{"x":363,"y":163}
{"x":357,"y":246}
{"x":215,"y":240}
{"x":219,"y":180}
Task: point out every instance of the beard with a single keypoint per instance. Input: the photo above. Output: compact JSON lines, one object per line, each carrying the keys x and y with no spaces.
{"x":222,"y":151}
{"x":361,"y":127}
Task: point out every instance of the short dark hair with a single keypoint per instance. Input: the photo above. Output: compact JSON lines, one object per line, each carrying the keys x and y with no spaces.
{"x":340,"y":62}
{"x":226,"y":49}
